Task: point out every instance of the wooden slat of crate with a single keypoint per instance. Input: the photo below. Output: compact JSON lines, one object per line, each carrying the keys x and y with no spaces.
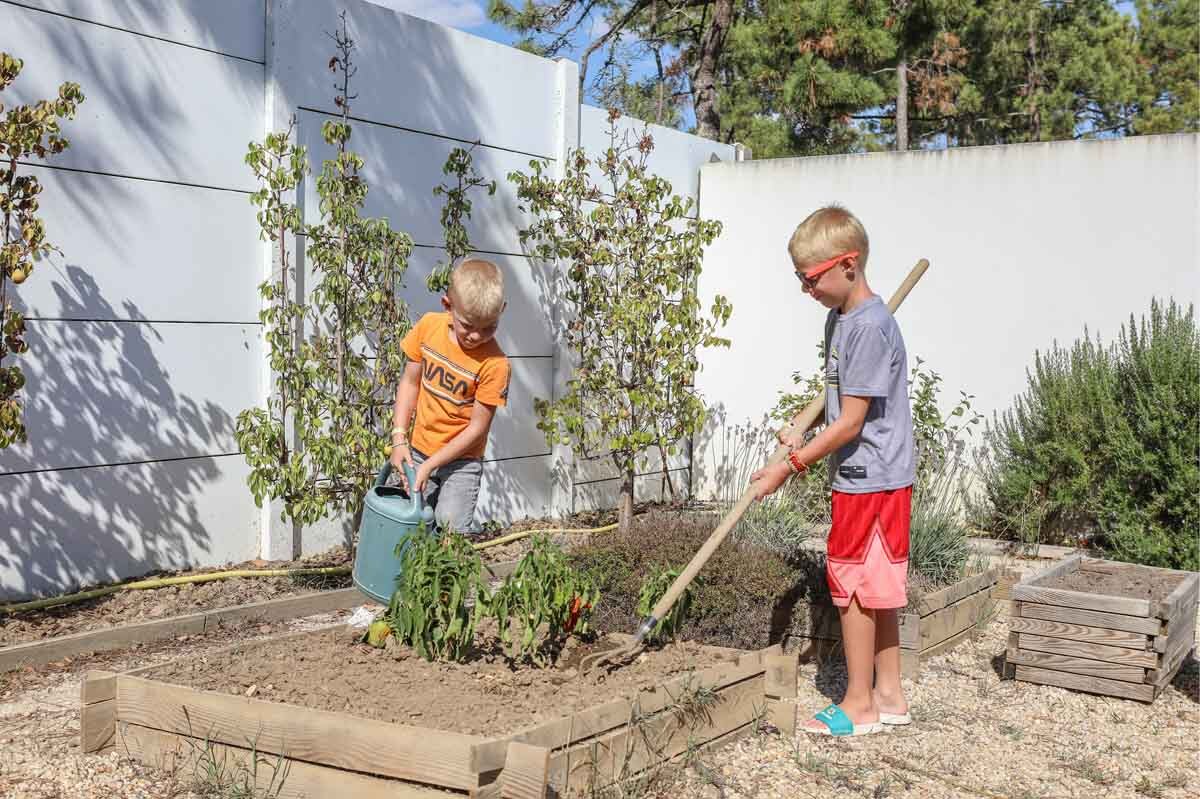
{"x":1090,"y":618}
{"x":1186,"y":592}
{"x":1181,"y":626}
{"x":318,"y":736}
{"x":1108,"y":654}
{"x":1091,"y":668}
{"x":1180,"y":641}
{"x":299,"y":780}
{"x":1025,"y":592}
{"x":1079,"y":632}
{"x":1079,"y":682}
{"x":631,"y":749}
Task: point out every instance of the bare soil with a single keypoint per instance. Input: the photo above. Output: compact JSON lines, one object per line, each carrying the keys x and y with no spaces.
{"x":1125,"y":580}
{"x":126,"y":607}
{"x":487,"y":695}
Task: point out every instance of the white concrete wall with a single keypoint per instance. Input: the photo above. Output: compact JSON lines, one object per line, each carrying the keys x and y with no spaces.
{"x":144,"y":336}
{"x":1028,"y":244}
{"x":131,"y":464}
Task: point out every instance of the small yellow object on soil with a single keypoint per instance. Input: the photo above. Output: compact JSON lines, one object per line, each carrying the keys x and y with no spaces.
{"x":378,"y":633}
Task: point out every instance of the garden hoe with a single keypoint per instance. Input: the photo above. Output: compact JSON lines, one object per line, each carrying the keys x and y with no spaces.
{"x":803,"y":421}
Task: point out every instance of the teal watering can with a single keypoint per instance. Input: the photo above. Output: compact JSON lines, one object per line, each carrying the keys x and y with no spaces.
{"x":389,"y":517}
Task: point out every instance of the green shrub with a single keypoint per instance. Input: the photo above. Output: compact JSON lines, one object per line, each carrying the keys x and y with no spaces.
{"x":1103,"y":444}
{"x":938,"y":552}
{"x":784,"y":521}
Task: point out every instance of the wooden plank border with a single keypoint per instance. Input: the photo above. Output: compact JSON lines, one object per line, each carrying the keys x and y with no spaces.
{"x":299,"y":780}
{"x":35,"y":653}
{"x":316,"y":736}
{"x":97,"y":711}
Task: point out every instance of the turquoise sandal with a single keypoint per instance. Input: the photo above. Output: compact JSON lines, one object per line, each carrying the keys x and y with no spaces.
{"x":838,"y":724}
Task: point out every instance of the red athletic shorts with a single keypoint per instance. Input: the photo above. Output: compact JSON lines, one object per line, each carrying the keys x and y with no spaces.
{"x":868,"y":548}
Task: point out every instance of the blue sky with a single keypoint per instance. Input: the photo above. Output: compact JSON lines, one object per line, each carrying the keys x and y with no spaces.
{"x":466,"y":15}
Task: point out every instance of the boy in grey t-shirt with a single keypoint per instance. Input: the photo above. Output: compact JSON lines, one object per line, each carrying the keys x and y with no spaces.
{"x":869,"y":439}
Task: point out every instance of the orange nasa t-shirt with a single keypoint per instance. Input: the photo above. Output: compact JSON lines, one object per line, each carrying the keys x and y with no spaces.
{"x":452,"y":381}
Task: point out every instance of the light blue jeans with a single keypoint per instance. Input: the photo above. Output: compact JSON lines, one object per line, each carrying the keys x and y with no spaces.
{"x":452,"y":491}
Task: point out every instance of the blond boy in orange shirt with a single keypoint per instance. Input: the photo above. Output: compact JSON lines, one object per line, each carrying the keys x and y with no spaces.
{"x":456,"y":378}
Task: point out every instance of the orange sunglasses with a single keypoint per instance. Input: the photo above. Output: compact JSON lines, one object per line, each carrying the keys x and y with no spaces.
{"x":809,"y":276}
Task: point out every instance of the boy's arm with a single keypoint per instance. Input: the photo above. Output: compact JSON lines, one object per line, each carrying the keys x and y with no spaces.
{"x":402,"y":415}
{"x":837,"y":435}
{"x":476,"y":429}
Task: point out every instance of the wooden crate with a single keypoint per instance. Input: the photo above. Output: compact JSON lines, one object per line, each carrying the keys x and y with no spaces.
{"x":1102,"y":644}
{"x":940,"y":621}
{"x":323,"y":753}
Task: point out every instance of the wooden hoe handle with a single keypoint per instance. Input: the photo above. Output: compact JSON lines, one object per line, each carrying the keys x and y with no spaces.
{"x":802,"y":421}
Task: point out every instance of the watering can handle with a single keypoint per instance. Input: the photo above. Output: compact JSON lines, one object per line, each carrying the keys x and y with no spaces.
{"x":410,"y":475}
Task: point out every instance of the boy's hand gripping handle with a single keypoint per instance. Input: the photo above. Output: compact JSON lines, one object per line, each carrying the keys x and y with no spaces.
{"x":802,"y":421}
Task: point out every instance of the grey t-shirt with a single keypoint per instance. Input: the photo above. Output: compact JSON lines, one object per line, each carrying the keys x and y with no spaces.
{"x":865,"y":357}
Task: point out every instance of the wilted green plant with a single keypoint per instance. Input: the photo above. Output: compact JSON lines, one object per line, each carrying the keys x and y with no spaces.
{"x":26,"y":132}
{"x":547,"y":598}
{"x":429,"y":610}
{"x":653,"y":589}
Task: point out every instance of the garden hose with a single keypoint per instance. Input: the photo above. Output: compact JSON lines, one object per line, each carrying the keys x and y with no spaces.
{"x":163,"y":582}
{"x":508,"y":539}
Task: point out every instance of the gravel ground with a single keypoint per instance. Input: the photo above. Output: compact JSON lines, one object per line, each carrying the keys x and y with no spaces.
{"x":974,"y":735}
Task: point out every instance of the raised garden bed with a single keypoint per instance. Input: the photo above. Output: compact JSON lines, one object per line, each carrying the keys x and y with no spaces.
{"x":935,"y":623}
{"x":35,"y":652}
{"x":1118,"y":629}
{"x":362,"y":722}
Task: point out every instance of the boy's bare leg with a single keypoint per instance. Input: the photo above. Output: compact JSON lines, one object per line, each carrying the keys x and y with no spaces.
{"x":889,"y":694}
{"x":858,"y":640}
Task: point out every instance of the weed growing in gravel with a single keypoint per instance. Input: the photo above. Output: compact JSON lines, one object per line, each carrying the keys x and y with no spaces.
{"x":1016,"y":733}
{"x":1089,"y":769}
{"x":1176,"y":779}
{"x":218,"y":775}
{"x":1147,"y":788}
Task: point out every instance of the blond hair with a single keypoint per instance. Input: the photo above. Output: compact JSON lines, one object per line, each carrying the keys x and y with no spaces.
{"x":477,"y":289}
{"x":827,"y":233}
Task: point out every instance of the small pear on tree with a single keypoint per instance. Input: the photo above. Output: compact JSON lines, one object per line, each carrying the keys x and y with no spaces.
{"x":336,"y":357}
{"x":630,"y":257}
{"x":26,"y":131}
